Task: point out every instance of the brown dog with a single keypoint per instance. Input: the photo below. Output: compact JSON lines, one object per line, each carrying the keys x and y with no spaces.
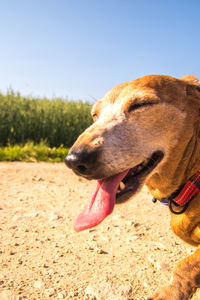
{"x":146,"y":131}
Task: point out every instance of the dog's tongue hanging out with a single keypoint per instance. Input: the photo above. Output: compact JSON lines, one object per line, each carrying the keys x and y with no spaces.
{"x":101,"y":203}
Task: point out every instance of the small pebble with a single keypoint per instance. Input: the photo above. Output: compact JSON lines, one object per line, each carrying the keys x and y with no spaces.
{"x":51,"y":272}
{"x":101,"y":251}
{"x":61,"y":295}
{"x":49,"y":292}
{"x":53,"y":217}
{"x":20,"y":261}
{"x":38,"y":284}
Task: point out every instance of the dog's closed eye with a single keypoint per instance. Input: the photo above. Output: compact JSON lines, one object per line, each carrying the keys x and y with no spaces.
{"x":94,"y":117}
{"x":137,"y":105}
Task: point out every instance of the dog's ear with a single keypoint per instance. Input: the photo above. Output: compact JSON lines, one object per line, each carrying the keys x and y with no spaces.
{"x":190,"y":79}
{"x":192,"y":86}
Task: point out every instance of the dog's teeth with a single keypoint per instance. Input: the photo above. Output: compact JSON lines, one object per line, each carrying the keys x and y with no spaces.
{"x":139,"y":168}
{"x":122,"y":186}
{"x":146,"y":161}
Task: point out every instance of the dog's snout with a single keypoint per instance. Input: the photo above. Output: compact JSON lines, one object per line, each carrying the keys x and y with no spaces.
{"x":70,"y":159}
{"x":82,"y":162}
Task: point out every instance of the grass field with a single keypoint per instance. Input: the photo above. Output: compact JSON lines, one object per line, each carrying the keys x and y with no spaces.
{"x":31,"y":152}
{"x":56,"y":121}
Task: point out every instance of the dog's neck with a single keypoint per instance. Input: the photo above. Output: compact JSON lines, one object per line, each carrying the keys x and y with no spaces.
{"x":177,"y":169}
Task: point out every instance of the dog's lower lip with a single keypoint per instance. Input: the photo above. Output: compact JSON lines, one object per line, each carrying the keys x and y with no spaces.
{"x":136,"y":175}
{"x":146,"y":166}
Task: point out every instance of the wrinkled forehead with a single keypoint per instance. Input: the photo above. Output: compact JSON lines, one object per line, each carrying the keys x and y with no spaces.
{"x":149,"y":87}
{"x":124,"y":93}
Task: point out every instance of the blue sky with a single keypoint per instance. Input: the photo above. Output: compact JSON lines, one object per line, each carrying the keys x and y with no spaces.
{"x":82,"y":48}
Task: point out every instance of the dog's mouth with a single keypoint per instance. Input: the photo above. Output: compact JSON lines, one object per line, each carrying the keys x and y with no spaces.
{"x":135,"y":177}
{"x":117,"y":188}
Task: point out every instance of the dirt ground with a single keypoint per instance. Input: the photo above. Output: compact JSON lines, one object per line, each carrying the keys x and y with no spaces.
{"x":129,"y":256}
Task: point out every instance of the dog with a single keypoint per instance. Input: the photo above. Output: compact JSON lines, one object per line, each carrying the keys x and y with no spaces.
{"x":147,"y":131}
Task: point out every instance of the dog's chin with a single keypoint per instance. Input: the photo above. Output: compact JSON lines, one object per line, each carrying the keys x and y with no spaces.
{"x":135,"y":178}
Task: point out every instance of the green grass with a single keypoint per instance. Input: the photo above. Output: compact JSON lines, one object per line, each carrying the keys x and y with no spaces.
{"x":31,"y":152}
{"x":57,"y":121}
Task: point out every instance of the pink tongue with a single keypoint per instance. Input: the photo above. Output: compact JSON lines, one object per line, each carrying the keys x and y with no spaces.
{"x":101,"y":203}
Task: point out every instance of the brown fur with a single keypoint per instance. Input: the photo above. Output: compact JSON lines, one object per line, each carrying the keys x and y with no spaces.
{"x":171,"y":125}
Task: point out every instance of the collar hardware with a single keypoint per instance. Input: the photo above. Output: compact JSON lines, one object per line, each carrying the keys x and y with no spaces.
{"x":173,"y":204}
{"x":183,"y":196}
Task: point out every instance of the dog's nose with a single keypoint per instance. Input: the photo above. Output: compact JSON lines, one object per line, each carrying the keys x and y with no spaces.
{"x":82,"y":162}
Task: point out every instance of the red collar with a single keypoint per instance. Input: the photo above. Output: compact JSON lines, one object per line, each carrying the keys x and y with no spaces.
{"x":184,"y":195}
{"x":190,"y":189}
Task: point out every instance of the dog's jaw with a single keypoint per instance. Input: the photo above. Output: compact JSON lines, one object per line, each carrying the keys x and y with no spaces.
{"x":106,"y":190}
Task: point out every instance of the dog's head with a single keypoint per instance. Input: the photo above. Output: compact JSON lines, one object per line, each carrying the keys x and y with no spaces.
{"x":138,"y":127}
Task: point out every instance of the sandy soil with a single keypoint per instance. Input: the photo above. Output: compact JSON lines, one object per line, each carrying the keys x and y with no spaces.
{"x":129,"y":256}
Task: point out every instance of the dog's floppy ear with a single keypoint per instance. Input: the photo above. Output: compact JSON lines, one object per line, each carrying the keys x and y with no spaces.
{"x":193,"y":86}
{"x":190,"y":79}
